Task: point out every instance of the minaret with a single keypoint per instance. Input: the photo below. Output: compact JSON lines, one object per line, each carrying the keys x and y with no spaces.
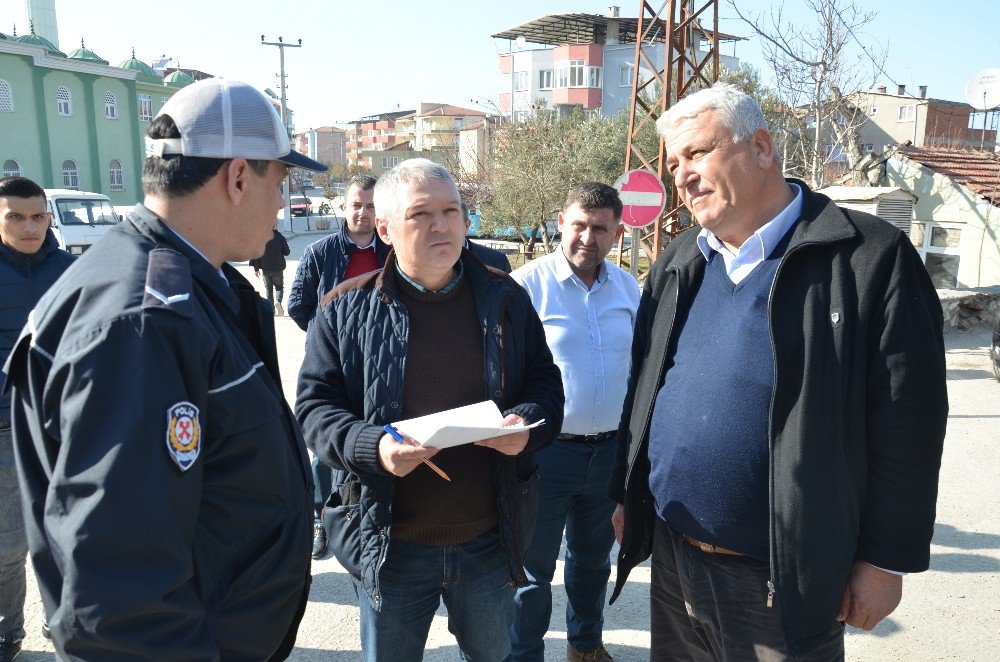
{"x":43,"y":14}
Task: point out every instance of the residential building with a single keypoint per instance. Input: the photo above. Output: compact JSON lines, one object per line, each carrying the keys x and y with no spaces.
{"x":956,"y":227}
{"x":371,"y":134}
{"x":326,"y":144}
{"x":893,"y":119}
{"x":475,"y":148}
{"x":587,"y":61}
{"x":75,"y":121}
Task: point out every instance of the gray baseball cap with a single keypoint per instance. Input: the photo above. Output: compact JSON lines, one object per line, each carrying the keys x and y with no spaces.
{"x":227,"y":119}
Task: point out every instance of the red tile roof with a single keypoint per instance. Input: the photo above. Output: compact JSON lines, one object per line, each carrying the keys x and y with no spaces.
{"x":977,"y":171}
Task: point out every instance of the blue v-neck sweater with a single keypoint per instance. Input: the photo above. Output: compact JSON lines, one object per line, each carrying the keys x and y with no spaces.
{"x":708,"y":441}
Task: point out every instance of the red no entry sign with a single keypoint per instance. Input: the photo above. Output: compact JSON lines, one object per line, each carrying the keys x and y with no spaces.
{"x":643,"y":197}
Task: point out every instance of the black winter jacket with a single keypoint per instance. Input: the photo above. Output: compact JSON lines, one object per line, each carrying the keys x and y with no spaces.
{"x":351,"y":384}
{"x":857,"y":417}
{"x":320,"y":270}
{"x":23,"y":281}
{"x":273,"y":258}
{"x":164,"y":475}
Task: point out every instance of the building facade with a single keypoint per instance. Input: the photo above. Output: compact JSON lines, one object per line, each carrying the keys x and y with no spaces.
{"x":587,"y":61}
{"x":326,"y":144}
{"x":76,"y":121}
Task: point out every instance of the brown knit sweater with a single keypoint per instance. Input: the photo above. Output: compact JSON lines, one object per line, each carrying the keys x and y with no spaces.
{"x":444,"y":369}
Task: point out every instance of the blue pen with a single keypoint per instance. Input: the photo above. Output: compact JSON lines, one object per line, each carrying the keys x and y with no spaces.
{"x":394,"y":433}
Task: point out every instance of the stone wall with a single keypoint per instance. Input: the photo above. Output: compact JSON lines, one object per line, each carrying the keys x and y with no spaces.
{"x":965,"y":309}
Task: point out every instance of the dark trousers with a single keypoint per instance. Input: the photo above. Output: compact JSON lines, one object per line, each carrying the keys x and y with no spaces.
{"x":323,"y":482}
{"x":707,"y":607}
{"x":274,"y":281}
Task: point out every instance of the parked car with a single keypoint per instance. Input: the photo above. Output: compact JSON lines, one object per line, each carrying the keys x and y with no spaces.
{"x":79,"y":218}
{"x":995,"y":347}
{"x":301,"y":206}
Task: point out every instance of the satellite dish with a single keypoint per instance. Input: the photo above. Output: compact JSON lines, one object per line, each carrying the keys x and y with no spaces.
{"x":520,"y":41}
{"x":983,"y":90}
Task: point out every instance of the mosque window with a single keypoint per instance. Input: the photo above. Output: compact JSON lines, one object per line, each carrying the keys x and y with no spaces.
{"x":64,"y":102}
{"x":6,"y":97}
{"x":110,"y":105}
{"x":71,"y":174}
{"x":117,"y":175}
{"x":145,"y":108}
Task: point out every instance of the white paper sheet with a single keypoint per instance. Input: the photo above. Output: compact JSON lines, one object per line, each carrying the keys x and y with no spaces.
{"x":462,"y":425}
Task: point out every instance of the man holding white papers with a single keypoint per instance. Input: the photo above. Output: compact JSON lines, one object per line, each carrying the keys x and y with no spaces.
{"x":433,"y":330}
{"x":587,"y":306}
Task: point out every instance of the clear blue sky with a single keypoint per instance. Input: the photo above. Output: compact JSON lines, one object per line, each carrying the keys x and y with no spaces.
{"x":366,"y":56}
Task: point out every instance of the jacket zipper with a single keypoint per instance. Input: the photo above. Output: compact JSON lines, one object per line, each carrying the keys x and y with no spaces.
{"x":649,"y":410}
{"x":772,"y":561}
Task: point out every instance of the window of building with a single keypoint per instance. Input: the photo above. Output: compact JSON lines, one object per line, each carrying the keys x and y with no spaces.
{"x":625,"y":75}
{"x":110,"y":106}
{"x":11,"y":168}
{"x":545,"y":79}
{"x":116,"y":175}
{"x":163,"y":101}
{"x":868,"y":148}
{"x":6,"y":97}
{"x":520,"y":81}
{"x":576,"y":73}
{"x":64,"y":102}
{"x":145,"y":108}
{"x":907,"y":113}
{"x":390,"y":161}
{"x":71,"y":174}
{"x":874,"y":111}
{"x":939,"y":245}
{"x":593,"y":77}
{"x":835,"y":154}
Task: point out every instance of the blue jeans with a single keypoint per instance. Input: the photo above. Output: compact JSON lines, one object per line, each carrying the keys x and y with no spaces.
{"x":574,"y":479}
{"x":13,"y":546}
{"x":473,"y":580}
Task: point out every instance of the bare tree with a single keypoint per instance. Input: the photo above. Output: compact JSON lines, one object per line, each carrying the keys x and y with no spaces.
{"x":822,"y":78}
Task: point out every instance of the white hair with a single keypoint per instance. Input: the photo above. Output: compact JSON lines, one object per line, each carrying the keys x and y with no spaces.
{"x":408,"y":171}
{"x":737,"y":111}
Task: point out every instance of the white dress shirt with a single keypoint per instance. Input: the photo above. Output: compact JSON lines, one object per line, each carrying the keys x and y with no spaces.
{"x":589,"y":332}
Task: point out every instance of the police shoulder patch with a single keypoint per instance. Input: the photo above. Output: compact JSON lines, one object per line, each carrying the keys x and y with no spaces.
{"x":183,"y":434}
{"x":168,"y":282}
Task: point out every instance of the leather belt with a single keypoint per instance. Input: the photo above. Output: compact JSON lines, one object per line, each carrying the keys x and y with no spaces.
{"x":589,"y":438}
{"x":708,"y":549}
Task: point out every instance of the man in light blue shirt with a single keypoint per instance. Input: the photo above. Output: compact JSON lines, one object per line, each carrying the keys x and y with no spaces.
{"x":587,"y":306}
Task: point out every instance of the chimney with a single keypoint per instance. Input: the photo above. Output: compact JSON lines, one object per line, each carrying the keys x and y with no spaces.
{"x":880,"y":89}
{"x":613,"y":35}
{"x":613,"y":11}
{"x":923,"y":91}
{"x":900,"y":90}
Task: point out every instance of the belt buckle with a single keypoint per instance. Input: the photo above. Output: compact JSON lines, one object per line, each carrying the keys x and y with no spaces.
{"x":705,"y":547}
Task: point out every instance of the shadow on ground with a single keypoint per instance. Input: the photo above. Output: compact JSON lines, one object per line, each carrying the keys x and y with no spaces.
{"x":886,"y":628}
{"x":948,"y":536}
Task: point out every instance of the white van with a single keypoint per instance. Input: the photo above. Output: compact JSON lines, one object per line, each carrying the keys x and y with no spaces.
{"x":79,"y":218}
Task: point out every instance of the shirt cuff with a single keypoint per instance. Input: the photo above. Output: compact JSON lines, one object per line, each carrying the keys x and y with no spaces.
{"x":891,"y":572}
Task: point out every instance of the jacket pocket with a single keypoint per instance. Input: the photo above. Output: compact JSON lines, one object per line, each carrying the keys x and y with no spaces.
{"x":526,"y":493}
{"x":342,"y":522}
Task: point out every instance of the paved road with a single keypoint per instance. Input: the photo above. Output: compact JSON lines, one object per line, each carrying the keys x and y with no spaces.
{"x":951,"y":612}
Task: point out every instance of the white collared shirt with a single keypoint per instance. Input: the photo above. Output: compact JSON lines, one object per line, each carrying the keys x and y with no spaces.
{"x":758,"y":245}
{"x":590,"y":334}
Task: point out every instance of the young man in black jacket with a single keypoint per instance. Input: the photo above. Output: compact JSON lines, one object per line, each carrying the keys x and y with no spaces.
{"x":30,"y":261}
{"x":784,"y":420}
{"x":272,"y":263}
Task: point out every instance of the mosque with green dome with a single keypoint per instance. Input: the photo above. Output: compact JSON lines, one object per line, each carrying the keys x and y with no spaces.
{"x":75,"y":120}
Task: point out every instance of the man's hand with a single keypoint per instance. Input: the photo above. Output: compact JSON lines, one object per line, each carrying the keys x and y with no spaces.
{"x":400,"y":459}
{"x":870,"y":595}
{"x":618,"y":522}
{"x":509,"y":444}
{"x":256,"y":272}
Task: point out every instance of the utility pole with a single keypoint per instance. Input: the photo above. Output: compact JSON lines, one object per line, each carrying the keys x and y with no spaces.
{"x":284,"y":119}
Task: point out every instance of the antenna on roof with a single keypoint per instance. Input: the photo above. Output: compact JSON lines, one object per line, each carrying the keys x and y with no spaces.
{"x":983,"y":93}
